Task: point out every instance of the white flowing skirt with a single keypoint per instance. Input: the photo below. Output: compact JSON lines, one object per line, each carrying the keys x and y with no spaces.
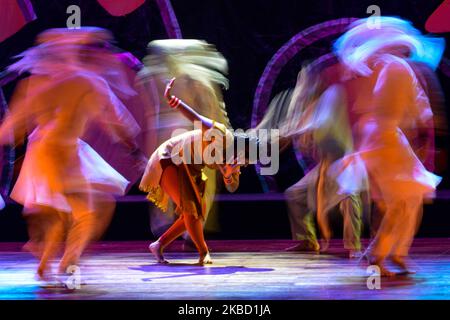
{"x":50,"y":172}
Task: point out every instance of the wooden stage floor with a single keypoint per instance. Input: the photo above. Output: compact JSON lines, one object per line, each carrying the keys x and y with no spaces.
{"x":241,"y":270}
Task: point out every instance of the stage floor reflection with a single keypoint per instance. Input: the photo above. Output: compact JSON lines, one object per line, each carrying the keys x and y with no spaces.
{"x":241,"y":270}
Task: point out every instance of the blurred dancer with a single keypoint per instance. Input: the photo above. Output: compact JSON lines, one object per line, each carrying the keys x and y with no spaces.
{"x":430,"y":138}
{"x":117,"y":154}
{"x":387,"y":100}
{"x":199,"y":70}
{"x":183,"y":180}
{"x":64,"y":185}
{"x":316,"y":121}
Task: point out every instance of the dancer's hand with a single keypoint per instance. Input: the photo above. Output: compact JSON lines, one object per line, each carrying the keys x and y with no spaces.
{"x":228,"y":170}
{"x":168,"y":88}
{"x":173,"y":101}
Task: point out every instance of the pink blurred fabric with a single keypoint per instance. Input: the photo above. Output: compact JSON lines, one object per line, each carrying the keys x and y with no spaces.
{"x":439,"y":21}
{"x":133,"y":111}
{"x":14,"y":15}
{"x":120,"y":7}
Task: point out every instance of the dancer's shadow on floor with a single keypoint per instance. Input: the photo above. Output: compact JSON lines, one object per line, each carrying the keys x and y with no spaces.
{"x":179,"y":270}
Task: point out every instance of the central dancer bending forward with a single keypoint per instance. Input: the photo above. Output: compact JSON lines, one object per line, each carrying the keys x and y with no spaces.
{"x":175,"y":171}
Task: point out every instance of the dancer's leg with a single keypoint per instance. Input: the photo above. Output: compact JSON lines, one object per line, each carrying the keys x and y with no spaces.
{"x":386,"y":238}
{"x":53,"y":238}
{"x":176,"y":230}
{"x":322,"y":218}
{"x":301,"y":218}
{"x":351,"y":210}
{"x":81,"y":230}
{"x":36,"y":225}
{"x":210,"y":220}
{"x":377,"y":214}
{"x":170,"y":185}
{"x":409,"y":220}
{"x":194,"y":227}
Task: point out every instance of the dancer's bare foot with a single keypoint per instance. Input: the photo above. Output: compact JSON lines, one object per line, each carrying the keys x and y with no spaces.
{"x":46,"y":279}
{"x":384,"y":272}
{"x":157,"y":250}
{"x":205,"y":259}
{"x":52,"y":284}
{"x":40,"y":275}
{"x":305,"y":246}
{"x":401,"y":263}
{"x":70,"y":278}
{"x":324,"y":245}
{"x":43,"y":272}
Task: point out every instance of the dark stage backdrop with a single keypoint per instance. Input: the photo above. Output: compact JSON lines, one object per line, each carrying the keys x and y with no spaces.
{"x":248,"y":32}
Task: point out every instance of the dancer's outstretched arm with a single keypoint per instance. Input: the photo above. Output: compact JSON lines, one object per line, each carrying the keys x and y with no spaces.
{"x":230,"y":172}
{"x":185,"y":109}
